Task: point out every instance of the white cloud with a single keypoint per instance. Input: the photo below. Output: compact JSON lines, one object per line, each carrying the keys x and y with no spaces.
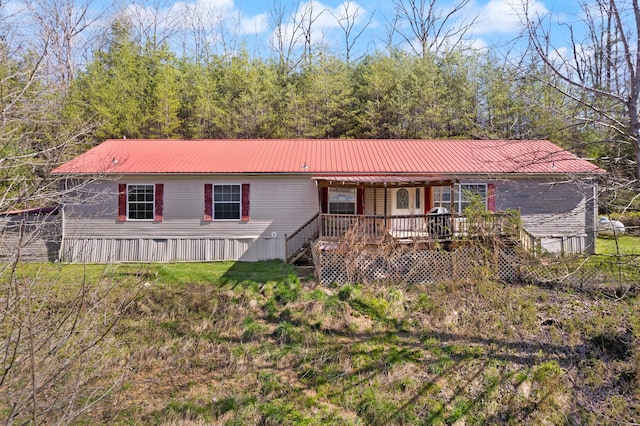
{"x":223,"y":7}
{"x":254,"y":25}
{"x":504,"y":16}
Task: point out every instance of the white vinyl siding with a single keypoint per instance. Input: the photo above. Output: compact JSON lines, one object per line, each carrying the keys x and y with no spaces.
{"x":279,"y":206}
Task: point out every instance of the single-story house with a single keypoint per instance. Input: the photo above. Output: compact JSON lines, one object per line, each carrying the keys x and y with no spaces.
{"x":199,"y":200}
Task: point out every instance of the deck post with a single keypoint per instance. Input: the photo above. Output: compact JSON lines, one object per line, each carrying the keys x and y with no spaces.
{"x":375,"y":201}
{"x":453,"y":210}
{"x":385,"y":205}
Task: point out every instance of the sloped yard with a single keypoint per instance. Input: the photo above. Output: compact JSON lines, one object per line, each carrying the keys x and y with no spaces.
{"x":234,"y":343}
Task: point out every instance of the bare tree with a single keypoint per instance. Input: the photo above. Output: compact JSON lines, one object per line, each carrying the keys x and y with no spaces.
{"x":601,"y":72}
{"x":153,"y":23}
{"x":431,"y":27}
{"x":52,"y":333}
{"x":306,"y":19}
{"x":212,"y":31}
{"x":61,"y":26}
{"x":52,"y":365}
{"x":347,"y":19}
{"x":286,"y":33}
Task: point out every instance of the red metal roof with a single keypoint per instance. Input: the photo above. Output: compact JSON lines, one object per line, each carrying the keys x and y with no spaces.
{"x":322,"y":156}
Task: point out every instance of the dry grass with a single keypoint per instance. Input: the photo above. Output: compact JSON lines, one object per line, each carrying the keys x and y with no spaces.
{"x":281,"y":351}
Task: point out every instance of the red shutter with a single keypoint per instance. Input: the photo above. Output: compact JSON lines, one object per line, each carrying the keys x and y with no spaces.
{"x":491,"y":197}
{"x":245,"y":202}
{"x":324,"y":199}
{"x":208,"y":202}
{"x":159,"y":202}
{"x":427,"y":199}
{"x":360,"y":201}
{"x":122,"y":202}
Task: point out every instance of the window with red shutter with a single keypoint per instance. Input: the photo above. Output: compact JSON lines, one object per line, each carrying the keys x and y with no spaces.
{"x":226,"y":202}
{"x":140,"y":201}
{"x":324,"y":200}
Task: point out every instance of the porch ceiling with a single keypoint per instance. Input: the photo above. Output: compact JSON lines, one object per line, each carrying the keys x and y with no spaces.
{"x":385,"y":180}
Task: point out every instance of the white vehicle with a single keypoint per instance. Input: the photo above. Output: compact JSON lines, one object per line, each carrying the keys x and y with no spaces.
{"x":609,"y":227}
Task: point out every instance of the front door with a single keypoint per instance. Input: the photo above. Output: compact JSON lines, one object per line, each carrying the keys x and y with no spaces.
{"x":406,"y":202}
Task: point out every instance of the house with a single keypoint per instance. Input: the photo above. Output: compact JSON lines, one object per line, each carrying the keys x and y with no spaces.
{"x":198,"y":200}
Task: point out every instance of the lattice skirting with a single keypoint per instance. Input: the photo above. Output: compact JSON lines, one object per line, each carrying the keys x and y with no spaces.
{"x":412,"y":265}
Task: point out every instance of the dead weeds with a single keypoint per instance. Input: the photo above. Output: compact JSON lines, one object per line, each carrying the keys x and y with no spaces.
{"x":283,"y":352}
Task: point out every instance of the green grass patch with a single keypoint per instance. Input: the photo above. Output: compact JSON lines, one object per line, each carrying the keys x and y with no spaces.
{"x":626,"y":244}
{"x":246,"y":343}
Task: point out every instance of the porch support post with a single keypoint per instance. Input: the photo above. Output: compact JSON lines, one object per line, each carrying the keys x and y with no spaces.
{"x":385,"y":205}
{"x":453,"y":210}
{"x":375,"y":201}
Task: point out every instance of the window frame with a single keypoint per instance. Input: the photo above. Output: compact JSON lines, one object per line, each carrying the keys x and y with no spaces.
{"x":213,"y":202}
{"x":152,"y":202}
{"x":462,"y":200}
{"x":354,"y":191}
{"x":456,"y":202}
{"x":438,"y":198}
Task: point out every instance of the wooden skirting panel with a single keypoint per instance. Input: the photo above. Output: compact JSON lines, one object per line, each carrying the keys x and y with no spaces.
{"x":107,"y":250}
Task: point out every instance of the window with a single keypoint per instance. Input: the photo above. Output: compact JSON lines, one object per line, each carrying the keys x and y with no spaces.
{"x":342,"y":201}
{"x":442,"y":196}
{"x":402,"y":199}
{"x":464,"y":193}
{"x":140,"y":202}
{"x":226,"y":202}
{"x":417,"y":203}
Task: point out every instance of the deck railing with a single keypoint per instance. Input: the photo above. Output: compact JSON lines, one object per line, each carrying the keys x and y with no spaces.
{"x":411,"y":226}
{"x":529,"y":243}
{"x":421,"y":226}
{"x":303,"y":235}
{"x":501,"y":224}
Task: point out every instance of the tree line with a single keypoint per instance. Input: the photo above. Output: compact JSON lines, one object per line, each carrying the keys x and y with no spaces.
{"x":147,"y":91}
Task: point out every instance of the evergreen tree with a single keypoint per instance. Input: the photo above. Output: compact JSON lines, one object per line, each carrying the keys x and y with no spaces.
{"x":110,"y":90}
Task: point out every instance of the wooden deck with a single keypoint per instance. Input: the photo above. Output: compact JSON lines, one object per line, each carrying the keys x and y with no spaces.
{"x":422,"y":228}
{"x":412,"y":227}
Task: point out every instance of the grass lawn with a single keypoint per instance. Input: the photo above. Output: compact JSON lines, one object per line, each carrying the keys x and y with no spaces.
{"x":627,"y":244}
{"x":249,"y":343}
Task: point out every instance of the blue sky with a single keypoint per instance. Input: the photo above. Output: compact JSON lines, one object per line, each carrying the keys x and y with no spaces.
{"x":226,"y":24}
{"x":250,"y":21}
